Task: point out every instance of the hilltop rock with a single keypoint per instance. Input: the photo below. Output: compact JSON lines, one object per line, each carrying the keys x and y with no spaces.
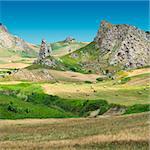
{"x":69,"y":39}
{"x":125,"y":45}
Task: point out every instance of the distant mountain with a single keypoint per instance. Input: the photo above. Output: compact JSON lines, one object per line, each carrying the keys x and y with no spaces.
{"x":13,"y":45}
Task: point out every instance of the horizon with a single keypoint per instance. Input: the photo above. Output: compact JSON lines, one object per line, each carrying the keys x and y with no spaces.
{"x":56,"y":20}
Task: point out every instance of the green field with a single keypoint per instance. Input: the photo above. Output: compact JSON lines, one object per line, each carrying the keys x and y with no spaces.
{"x":28,"y":100}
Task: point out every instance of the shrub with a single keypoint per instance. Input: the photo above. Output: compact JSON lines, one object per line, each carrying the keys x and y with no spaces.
{"x":89,"y":71}
{"x":73,"y":69}
{"x":100,"y":79}
{"x":125,"y":80}
{"x":12,"y":107}
{"x":95,"y":104}
{"x":89,"y":82}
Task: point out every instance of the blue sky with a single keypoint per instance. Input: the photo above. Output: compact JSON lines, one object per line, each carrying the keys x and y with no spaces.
{"x":55,"y":20}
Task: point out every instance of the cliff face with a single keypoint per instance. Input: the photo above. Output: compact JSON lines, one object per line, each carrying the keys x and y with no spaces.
{"x":124,"y":45}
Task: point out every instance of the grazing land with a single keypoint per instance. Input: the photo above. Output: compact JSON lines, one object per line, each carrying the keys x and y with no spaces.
{"x":121,"y":132}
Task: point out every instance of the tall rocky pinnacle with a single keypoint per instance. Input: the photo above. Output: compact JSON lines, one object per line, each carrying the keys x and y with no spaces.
{"x":44,"y":50}
{"x":124,"y":45}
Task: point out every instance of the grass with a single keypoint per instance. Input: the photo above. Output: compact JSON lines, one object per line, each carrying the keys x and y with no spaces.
{"x":123,"y":132}
{"x":118,"y":94}
{"x":63,"y":48}
{"x":83,"y":55}
{"x":15,"y":108}
{"x":28,"y":100}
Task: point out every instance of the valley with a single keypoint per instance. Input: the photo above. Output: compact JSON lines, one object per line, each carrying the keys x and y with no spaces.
{"x":76,"y":95}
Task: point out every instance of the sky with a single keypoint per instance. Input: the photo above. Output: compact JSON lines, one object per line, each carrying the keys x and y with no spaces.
{"x":55,"y":20}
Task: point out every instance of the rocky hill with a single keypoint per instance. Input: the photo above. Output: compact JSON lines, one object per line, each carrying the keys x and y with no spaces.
{"x":115,"y":47}
{"x":12,"y":45}
{"x":126,"y":45}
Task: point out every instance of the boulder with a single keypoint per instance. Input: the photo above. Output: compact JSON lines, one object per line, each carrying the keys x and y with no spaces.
{"x":94,"y":113}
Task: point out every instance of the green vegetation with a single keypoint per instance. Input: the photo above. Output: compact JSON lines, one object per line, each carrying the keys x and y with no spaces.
{"x":57,"y":46}
{"x":99,"y":79}
{"x":125,"y":80}
{"x":27,"y":100}
{"x":137,"y":108}
{"x":76,"y":60}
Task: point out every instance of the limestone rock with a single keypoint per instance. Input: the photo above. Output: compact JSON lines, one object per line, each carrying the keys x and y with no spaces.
{"x":94,"y":113}
{"x":44,"y":50}
{"x":126,"y":45}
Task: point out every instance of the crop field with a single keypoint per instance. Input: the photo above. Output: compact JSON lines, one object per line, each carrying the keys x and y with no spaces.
{"x":127,"y":132}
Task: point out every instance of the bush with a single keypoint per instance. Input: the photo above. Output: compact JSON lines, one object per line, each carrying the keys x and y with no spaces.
{"x":125,"y":80}
{"x":73,"y":69}
{"x":89,"y":71}
{"x":12,"y":107}
{"x":89,"y":82}
{"x":95,"y":104}
{"x":100,"y":79}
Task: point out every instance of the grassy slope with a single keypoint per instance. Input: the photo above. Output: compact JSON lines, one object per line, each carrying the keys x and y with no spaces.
{"x":123,"y":132}
{"x":14,"y":108}
{"x":124,"y":90}
{"x":85,"y":55}
{"x":89,"y":59}
{"x":62,"y":48}
{"x":27,"y":100}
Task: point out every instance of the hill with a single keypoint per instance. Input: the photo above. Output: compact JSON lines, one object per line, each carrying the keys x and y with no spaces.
{"x":114,"y":48}
{"x":11,"y":45}
{"x":66,"y":46}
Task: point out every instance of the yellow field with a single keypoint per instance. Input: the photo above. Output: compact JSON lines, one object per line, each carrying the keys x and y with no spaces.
{"x":129,"y":132}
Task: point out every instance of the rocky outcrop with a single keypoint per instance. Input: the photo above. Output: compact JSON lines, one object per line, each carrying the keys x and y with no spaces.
{"x":45,"y":57}
{"x":126,"y":45}
{"x":69,"y":39}
{"x":44,"y":50}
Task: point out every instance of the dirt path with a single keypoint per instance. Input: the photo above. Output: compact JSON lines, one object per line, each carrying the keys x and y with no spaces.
{"x":138,"y":72}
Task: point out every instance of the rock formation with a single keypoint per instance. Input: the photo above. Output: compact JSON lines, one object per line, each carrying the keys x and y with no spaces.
{"x":45,"y":57}
{"x":126,"y":45}
{"x":69,"y":39}
{"x":44,"y":50}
